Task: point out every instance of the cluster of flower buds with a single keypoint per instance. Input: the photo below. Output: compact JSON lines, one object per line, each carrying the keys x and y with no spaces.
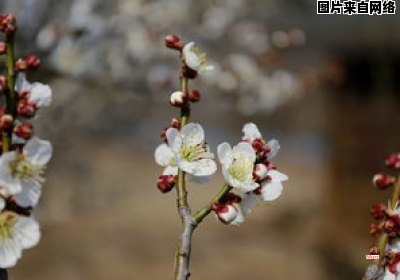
{"x":387,"y":222}
{"x":23,"y":160}
{"x":383,"y":180}
{"x":247,"y":168}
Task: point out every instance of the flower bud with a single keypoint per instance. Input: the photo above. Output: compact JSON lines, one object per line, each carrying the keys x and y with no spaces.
{"x":194,"y":95}
{"x":26,"y":110}
{"x":163,"y":135}
{"x":226,"y":213}
{"x":3,"y":48}
{"x":177,"y":99}
{"x":173,"y":42}
{"x":6,"y":121}
{"x":24,"y":131}
{"x":8,"y":24}
{"x":3,"y":83}
{"x":175,"y":123}
{"x":378,"y":211}
{"x":393,"y":161}
{"x":374,"y":250}
{"x":166,"y":183}
{"x":383,"y":181}
{"x":375,"y":229}
{"x":260,"y":172}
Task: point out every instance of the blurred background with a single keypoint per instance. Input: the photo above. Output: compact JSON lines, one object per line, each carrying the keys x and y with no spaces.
{"x":327,"y":87}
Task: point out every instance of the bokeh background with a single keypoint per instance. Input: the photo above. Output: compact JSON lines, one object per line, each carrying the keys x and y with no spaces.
{"x":326,"y":86}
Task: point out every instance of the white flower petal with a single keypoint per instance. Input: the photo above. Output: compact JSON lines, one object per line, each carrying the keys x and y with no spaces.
{"x":191,"y":58}
{"x":5,"y":172}
{"x":38,"y":151}
{"x":40,"y":94}
{"x":239,"y":218}
{"x":21,"y":83}
{"x":199,"y":179}
{"x":2,"y":204}
{"x":251,"y":132}
{"x":224,"y":151}
{"x":248,"y":202}
{"x":10,"y":252}
{"x":30,"y":194}
{"x":275,"y":147}
{"x":170,"y":170}
{"x":27,"y":232}
{"x":202,"y":167}
{"x":271,"y":190}
{"x":244,"y":150}
{"x":277,"y":176}
{"x":174,"y":140}
{"x":164,"y":155}
{"x":192,"y":134}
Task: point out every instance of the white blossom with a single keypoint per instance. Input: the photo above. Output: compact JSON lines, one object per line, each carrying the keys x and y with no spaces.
{"x":187,"y":150}
{"x":195,"y":59}
{"x":21,"y":173}
{"x":16,"y":233}
{"x":238,"y":165}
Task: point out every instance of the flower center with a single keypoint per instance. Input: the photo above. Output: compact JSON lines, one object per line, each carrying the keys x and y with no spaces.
{"x":24,"y":170}
{"x":201,"y":56}
{"x":193,"y":153}
{"x":7,"y":221}
{"x":241,"y":170}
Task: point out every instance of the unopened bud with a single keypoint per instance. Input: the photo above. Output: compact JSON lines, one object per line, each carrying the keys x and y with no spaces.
{"x":24,"y":131}
{"x":177,"y":99}
{"x":6,"y":121}
{"x":26,"y":110}
{"x":260,"y":172}
{"x":163,"y":134}
{"x":374,"y":250}
{"x":226,"y":213}
{"x":383,"y":181}
{"x":393,"y":161}
{"x":173,"y":42}
{"x":175,"y":123}
{"x":166,"y":183}
{"x":194,"y":95}
{"x":3,"y":48}
{"x":375,"y":228}
{"x":3,"y":82}
{"x":378,"y":211}
{"x":8,"y":24}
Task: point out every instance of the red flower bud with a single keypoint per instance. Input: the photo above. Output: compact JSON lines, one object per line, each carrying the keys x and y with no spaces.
{"x":173,"y":42}
{"x":166,"y":183}
{"x":378,"y":211}
{"x":25,"y":131}
{"x":374,"y":250}
{"x":3,"y":48}
{"x":6,"y":121}
{"x":177,"y":99}
{"x":8,"y":24}
{"x":375,"y":228}
{"x":26,"y":110}
{"x":163,"y":134}
{"x":194,"y":95}
{"x":393,"y":161}
{"x":383,"y":181}
{"x":3,"y":83}
{"x":175,"y":123}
